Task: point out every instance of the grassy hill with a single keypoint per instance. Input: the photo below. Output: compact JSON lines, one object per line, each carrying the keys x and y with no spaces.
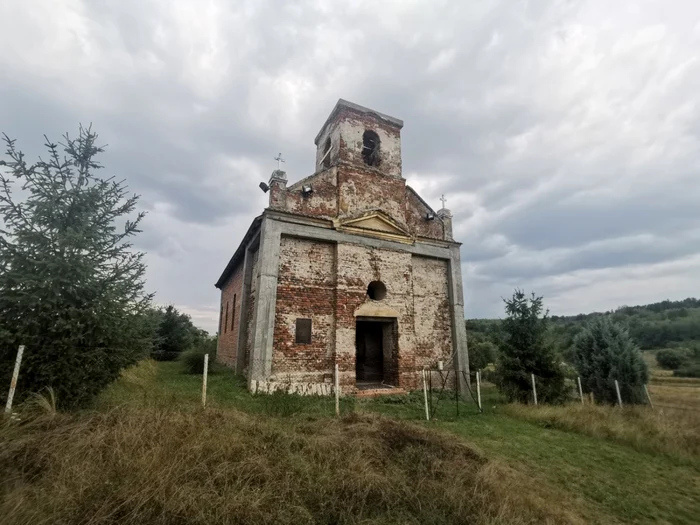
{"x":148,"y":453}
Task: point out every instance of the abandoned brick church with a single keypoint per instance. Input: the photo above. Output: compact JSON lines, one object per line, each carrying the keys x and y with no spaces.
{"x":348,"y":266}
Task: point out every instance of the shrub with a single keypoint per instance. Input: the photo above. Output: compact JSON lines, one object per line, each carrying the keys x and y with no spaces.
{"x":670,"y":359}
{"x":688,"y":371}
{"x":604,"y":352}
{"x":193,"y":360}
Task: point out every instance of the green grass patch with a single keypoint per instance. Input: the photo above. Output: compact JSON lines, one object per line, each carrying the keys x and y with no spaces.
{"x":597,"y":477}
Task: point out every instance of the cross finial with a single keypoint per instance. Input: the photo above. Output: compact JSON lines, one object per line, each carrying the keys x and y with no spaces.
{"x":279,"y":159}
{"x":443,"y":199}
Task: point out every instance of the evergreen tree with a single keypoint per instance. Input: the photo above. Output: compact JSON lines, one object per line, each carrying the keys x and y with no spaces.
{"x":176,"y":334}
{"x":525,"y":349}
{"x":604,"y":352}
{"x":71,"y":284}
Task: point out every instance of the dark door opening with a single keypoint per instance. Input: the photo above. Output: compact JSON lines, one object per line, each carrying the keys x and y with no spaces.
{"x":376,"y":359}
{"x":369,"y":363}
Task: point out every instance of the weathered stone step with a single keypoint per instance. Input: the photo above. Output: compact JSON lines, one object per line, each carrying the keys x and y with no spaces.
{"x":374,"y":392}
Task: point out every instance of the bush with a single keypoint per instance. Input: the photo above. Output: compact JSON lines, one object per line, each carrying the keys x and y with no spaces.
{"x":193,"y":361}
{"x":688,"y":371}
{"x":670,"y":359}
{"x":604,"y":352}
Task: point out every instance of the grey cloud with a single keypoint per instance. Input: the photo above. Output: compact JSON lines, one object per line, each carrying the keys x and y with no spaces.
{"x":551,"y":132}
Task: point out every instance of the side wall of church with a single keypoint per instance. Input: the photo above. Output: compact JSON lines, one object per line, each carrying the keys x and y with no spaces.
{"x":306,"y":290}
{"x":231,"y":296}
{"x":250,"y":308}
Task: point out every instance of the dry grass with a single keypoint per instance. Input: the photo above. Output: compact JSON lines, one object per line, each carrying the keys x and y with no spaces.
{"x":135,"y":466}
{"x":672,"y":432}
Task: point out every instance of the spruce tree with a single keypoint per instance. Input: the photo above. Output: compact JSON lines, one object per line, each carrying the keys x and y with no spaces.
{"x":605,"y":352}
{"x":525,"y":349}
{"x":71,"y":284}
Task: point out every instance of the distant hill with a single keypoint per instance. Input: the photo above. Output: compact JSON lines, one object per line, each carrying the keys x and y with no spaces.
{"x":657,"y":325}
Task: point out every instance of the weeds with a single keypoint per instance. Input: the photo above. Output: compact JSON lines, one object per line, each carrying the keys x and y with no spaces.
{"x":165,"y":466}
{"x":672,"y":432}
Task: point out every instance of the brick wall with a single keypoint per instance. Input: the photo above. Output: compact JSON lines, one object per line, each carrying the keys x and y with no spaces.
{"x":360,"y":189}
{"x":415,"y":219}
{"x":433,"y":334}
{"x":231,"y":295}
{"x":358,"y":266}
{"x":305,"y":289}
{"x":322,"y":203}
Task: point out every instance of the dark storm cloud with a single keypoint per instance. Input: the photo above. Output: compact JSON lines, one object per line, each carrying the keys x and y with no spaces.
{"x":564,"y":133}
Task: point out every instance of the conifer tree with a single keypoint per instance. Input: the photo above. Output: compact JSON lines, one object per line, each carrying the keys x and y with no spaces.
{"x":525,"y":349}
{"x":604,"y":352}
{"x":71,"y":284}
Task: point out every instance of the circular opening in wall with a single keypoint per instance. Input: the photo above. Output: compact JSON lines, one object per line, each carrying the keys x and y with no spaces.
{"x":376,"y":290}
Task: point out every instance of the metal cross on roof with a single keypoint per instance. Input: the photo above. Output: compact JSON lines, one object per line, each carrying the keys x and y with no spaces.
{"x":279,"y":159}
{"x":443,"y":199}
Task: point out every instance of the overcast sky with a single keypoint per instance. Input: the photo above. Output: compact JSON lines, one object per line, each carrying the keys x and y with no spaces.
{"x":565,"y":134}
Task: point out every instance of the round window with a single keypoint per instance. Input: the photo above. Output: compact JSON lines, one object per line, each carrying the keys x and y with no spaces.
{"x":376,"y":290}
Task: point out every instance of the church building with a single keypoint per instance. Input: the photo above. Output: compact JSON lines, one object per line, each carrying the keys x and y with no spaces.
{"x":348,"y":266}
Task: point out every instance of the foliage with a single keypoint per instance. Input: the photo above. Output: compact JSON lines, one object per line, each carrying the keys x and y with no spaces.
{"x":603,"y":353}
{"x":482,"y":351}
{"x":688,"y":371}
{"x":525,"y":350}
{"x":71,"y":284}
{"x":175,"y":334}
{"x":670,"y":359}
{"x":193,"y":360}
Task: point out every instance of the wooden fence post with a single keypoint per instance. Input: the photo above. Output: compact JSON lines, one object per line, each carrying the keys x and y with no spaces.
{"x":13,"y":383}
{"x":534,"y":388}
{"x":646,"y":391}
{"x":619,"y":397}
{"x":204,"y":380}
{"x":478,"y":388}
{"x":580,"y":390}
{"x":425,"y":397}
{"x":337,"y":392}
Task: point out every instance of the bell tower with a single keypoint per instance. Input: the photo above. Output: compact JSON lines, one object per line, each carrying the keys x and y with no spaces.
{"x":361,"y":137}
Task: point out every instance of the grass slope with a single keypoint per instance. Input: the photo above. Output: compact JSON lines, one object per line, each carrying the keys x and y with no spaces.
{"x":148,"y":453}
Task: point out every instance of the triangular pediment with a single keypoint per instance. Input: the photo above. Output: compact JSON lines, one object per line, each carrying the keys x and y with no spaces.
{"x":376,"y":224}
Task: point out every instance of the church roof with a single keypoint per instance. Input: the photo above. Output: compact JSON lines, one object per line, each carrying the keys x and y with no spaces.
{"x":240,"y":252}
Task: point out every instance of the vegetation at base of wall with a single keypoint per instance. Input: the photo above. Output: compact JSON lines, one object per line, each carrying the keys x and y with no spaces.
{"x":524,"y":349}
{"x":71,"y":284}
{"x":605,"y":353}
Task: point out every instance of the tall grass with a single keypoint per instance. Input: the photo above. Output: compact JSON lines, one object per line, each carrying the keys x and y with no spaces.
{"x":135,"y":466}
{"x":673,"y":432}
